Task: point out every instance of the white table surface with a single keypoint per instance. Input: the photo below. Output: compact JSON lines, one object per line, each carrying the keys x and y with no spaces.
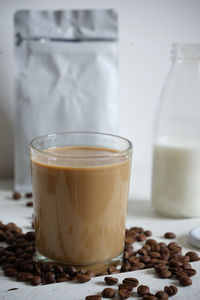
{"x":139,"y":214}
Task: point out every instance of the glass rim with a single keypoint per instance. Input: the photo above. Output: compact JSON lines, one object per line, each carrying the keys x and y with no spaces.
{"x":50,"y":154}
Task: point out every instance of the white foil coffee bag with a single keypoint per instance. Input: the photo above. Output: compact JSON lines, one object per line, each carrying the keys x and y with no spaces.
{"x":66,"y":77}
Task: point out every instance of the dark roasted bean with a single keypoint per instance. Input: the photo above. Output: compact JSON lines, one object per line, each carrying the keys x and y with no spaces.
{"x":162,"y":295}
{"x":108,"y":293}
{"x":142,"y":251}
{"x":154,"y":254}
{"x":24,"y":276}
{"x":144,"y":259}
{"x":150,"y":242}
{"x":149,"y":296}
{"x":36,"y":280}
{"x":124,"y":294}
{"x":148,"y":233}
{"x":171,"y":290}
{"x":93,"y":297}
{"x":30,"y":236}
{"x":141,"y":237}
{"x":185,"y":280}
{"x":190,"y":272}
{"x":29,"y":204}
{"x":125,"y":286}
{"x":60,"y":279}
{"x":131,"y":281}
{"x":110,"y":280}
{"x":16,"y":196}
{"x":192,"y":255}
{"x":82,"y":278}
{"x":49,"y":277}
{"x":28,"y":195}
{"x":159,"y":267}
{"x":165,"y":274}
{"x":170,"y":235}
{"x":47,"y":267}
{"x":143,"y":290}
{"x":112,"y":270}
{"x":10,"y":272}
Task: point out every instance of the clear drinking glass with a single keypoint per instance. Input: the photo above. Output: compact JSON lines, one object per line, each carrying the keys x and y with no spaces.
{"x":80,"y":190}
{"x":176,"y":163}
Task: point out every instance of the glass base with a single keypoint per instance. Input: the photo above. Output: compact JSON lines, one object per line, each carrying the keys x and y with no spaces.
{"x":98,"y":268}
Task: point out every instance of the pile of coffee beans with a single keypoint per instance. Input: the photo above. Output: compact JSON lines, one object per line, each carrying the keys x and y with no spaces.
{"x":128,"y":285}
{"x":17,"y":260}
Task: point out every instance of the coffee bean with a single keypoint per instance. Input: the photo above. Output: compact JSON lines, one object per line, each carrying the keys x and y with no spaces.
{"x":93,"y":297}
{"x":125,"y":267}
{"x":171,"y":290}
{"x":149,"y":296}
{"x":29,"y":204}
{"x":129,"y":240}
{"x":154,"y":254}
{"x":190,"y":272}
{"x":193,"y":256}
{"x":28,"y":195}
{"x":131,"y":281}
{"x":110,"y":280}
{"x":36,"y":280}
{"x":30,"y":236}
{"x":143,"y":290}
{"x":112,"y":270}
{"x":142,"y":251}
{"x":170,"y":235}
{"x":128,"y":247}
{"x":185,"y":280}
{"x":137,"y":266}
{"x":147,"y":247}
{"x":162,"y":295}
{"x":82,"y":278}
{"x":125,"y":287}
{"x":108,"y":293}
{"x":159,"y":267}
{"x":148,"y":233}
{"x":145,"y":259}
{"x":141,"y":237}
{"x":49,"y":277}
{"x":47,"y":267}
{"x":133,"y":259}
{"x":59,"y":280}
{"x":124,"y":294}
{"x":151,"y":241}
{"x":165,"y":274}
{"x":24,"y":276}
{"x":10,"y":272}
{"x":186,"y":266}
{"x":16,"y":196}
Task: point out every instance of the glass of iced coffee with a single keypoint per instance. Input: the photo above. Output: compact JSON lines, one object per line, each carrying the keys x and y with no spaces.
{"x":80,"y":189}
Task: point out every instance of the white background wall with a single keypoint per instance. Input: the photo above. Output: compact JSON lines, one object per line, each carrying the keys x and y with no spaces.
{"x":147,"y":30}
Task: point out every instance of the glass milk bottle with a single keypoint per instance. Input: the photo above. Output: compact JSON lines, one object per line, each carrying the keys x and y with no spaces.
{"x":176,"y":149}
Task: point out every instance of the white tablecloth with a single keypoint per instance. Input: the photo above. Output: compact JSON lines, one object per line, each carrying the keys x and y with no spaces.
{"x":139,"y":214}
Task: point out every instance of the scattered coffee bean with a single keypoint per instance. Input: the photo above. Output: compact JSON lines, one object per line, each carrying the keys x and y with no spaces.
{"x":162,"y":295}
{"x":190,"y":272}
{"x":165,"y":274}
{"x":125,"y":287}
{"x":141,"y":237}
{"x":148,"y":233}
{"x":193,"y":256}
{"x":28,"y":195}
{"x":29,"y":204}
{"x":124,"y":294}
{"x":36,"y":280}
{"x":143,"y":290}
{"x":112,"y":270}
{"x":151,"y":241}
{"x":24,"y":276}
{"x":171,"y":290}
{"x":110,"y":280}
{"x":108,"y":293}
{"x":170,"y":235}
{"x":93,"y":297}
{"x":16,"y":196}
{"x":159,"y":267}
{"x":149,"y":296}
{"x":10,"y":272}
{"x":82,"y":278}
{"x":131,"y":281}
{"x":71,"y":271}
{"x":185,"y":280}
{"x":49,"y":277}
